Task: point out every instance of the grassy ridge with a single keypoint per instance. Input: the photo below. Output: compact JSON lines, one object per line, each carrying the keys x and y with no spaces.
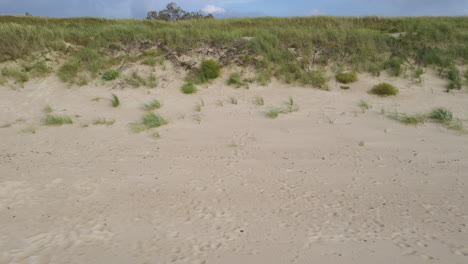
{"x":363,"y":43}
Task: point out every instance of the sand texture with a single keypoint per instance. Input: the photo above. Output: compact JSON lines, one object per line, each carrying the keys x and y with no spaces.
{"x":329,"y":183}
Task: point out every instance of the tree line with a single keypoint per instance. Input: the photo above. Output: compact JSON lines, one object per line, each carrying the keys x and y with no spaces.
{"x":173,"y":12}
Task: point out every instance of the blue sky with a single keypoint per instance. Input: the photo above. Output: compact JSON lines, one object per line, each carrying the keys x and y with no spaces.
{"x":234,"y":8}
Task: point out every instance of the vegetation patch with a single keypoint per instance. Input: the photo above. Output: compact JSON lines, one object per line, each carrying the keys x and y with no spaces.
{"x":16,"y":74}
{"x":408,"y":119}
{"x":235,"y":79}
{"x":56,"y":120}
{"x":189,"y":88}
{"x":155,"y":104}
{"x":346,"y":77}
{"x":441,"y":115}
{"x":111,"y":75}
{"x":115,"y":101}
{"x":103,"y":121}
{"x":384,"y":89}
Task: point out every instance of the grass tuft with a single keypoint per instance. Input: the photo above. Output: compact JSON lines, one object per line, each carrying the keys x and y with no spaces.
{"x":259,"y":100}
{"x":56,"y":120}
{"x":103,"y":121}
{"x":155,"y":104}
{"x":115,"y":101}
{"x":384,"y":89}
{"x":189,"y":88}
{"x":15,"y":73}
{"x":415,"y":119}
{"x":152,"y":120}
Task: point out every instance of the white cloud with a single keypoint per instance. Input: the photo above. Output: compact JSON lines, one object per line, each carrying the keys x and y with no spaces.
{"x":315,"y":12}
{"x":211,"y":9}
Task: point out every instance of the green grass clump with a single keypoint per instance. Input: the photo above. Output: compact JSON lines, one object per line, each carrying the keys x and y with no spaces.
{"x":5,"y":125}
{"x":151,"y":83}
{"x":235,"y":80}
{"x":111,"y":75}
{"x":393,"y":66}
{"x":68,"y":71}
{"x":384,"y":89}
{"x":441,"y":115}
{"x":115,"y":101}
{"x":15,"y":73}
{"x":56,"y":120}
{"x":189,"y":88}
{"x":233,"y":100}
{"x":344,"y":87}
{"x":38,"y":69}
{"x":152,"y":120}
{"x":135,"y":80}
{"x":409,"y":119}
{"x":155,"y":104}
{"x":455,"y":81}
{"x":346,"y":77}
{"x":210,"y":69}
{"x":315,"y":78}
{"x":103,"y":121}
{"x":150,"y":61}
{"x":273,"y":112}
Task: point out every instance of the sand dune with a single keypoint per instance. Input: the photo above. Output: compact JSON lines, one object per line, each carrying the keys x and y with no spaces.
{"x":330,"y":183}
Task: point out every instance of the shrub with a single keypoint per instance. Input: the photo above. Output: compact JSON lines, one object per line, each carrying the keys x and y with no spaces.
{"x":151,"y":120}
{"x":384,"y":89}
{"x":393,"y":66}
{"x":453,"y":74}
{"x":56,"y":120}
{"x":189,"y":88}
{"x":346,"y":77}
{"x":259,"y":100}
{"x":315,"y":78}
{"x":441,"y":114}
{"x":233,"y":100}
{"x":115,"y":101}
{"x":111,"y":75}
{"x":155,"y":104}
{"x":273,"y":112}
{"x":418,"y":72}
{"x":210,"y":69}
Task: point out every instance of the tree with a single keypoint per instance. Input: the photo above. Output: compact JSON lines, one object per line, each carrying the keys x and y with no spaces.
{"x":173,"y":12}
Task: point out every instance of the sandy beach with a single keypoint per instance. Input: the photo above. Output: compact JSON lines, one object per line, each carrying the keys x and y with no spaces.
{"x":224,"y":183}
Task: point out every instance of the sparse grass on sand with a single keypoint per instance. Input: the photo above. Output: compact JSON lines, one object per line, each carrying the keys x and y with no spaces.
{"x":384,"y":89}
{"x":259,"y":101}
{"x":290,"y":106}
{"x":16,"y":74}
{"x":29,"y":130}
{"x":148,"y":121}
{"x":56,"y":120}
{"x":103,"y":121}
{"x":5,"y":125}
{"x":155,"y":104}
{"x":440,"y":115}
{"x":47,"y":109}
{"x":364,"y":105}
{"x":233,"y":100}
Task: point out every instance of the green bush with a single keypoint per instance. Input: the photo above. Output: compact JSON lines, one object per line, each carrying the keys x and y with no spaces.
{"x":111,"y":75}
{"x":189,"y":88}
{"x":453,"y":74}
{"x":441,"y":114}
{"x":384,"y":89}
{"x":346,"y":77}
{"x":315,"y":78}
{"x":115,"y":101}
{"x":210,"y":69}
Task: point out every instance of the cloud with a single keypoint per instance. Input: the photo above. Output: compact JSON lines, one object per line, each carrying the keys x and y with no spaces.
{"x":316,"y":12}
{"x":211,"y":9}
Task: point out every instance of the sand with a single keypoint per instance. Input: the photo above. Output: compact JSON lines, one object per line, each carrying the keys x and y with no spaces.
{"x":329,"y":183}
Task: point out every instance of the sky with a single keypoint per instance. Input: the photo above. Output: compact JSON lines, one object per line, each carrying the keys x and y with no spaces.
{"x":237,"y":8}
